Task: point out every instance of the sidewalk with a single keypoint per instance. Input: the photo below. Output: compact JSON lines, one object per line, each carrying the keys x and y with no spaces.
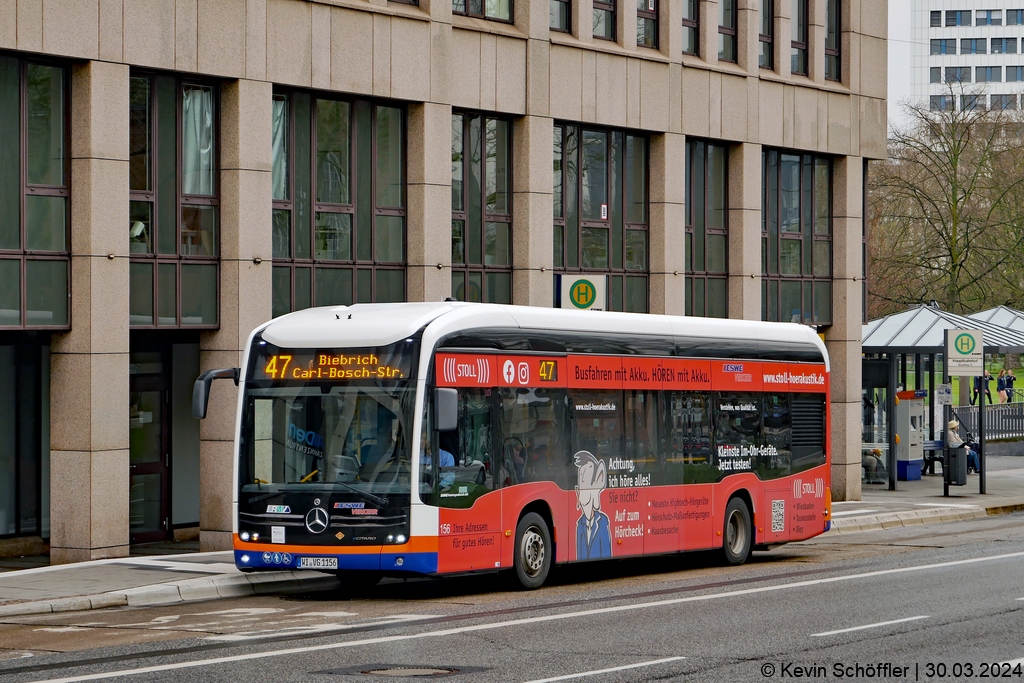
{"x":166,"y":579}
{"x":922,"y":502}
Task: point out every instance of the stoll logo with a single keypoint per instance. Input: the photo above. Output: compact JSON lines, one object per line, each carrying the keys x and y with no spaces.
{"x":582,"y":293}
{"x":317,"y":520}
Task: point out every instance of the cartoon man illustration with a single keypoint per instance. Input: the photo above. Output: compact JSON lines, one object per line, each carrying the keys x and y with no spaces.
{"x":593,"y":535}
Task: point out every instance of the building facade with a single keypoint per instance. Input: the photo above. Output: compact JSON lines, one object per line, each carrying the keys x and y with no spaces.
{"x":967,"y":54}
{"x":706,"y":158}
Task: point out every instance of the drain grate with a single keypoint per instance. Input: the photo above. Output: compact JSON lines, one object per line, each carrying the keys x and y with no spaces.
{"x":404,"y":670}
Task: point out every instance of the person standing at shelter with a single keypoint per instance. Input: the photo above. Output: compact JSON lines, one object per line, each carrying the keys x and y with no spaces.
{"x":1001,"y":386}
{"x":977,"y":388}
{"x":1010,"y":379}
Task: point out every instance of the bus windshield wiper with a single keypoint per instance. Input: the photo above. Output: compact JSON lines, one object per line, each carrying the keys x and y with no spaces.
{"x":376,"y":500}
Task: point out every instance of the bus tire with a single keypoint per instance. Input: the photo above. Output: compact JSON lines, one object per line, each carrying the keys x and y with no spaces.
{"x":354,"y":584}
{"x":533,"y":551}
{"x":737,"y":534}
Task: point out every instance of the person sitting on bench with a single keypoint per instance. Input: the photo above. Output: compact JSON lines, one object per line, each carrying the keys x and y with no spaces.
{"x":954,"y":441}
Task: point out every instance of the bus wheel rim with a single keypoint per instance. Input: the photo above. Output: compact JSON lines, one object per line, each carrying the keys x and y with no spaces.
{"x":533,"y":551}
{"x":735,"y":534}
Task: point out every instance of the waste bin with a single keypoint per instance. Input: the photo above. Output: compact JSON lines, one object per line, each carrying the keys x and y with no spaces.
{"x":954,"y":466}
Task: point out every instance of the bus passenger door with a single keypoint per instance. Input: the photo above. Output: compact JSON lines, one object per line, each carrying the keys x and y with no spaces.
{"x":470,"y":515}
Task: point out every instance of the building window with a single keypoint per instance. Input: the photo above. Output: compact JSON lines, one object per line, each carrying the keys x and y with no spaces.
{"x":34,"y":197}
{"x":972,"y":102}
{"x":24,"y":450}
{"x":973,"y":46}
{"x":481,"y":208}
{"x":989,"y":74}
{"x":647,"y":23}
{"x":833,"y":31}
{"x":1004,"y":46}
{"x":1004,"y":102}
{"x":943,"y":46}
{"x":498,"y":10}
{"x":339,"y":201}
{"x":988,"y":17}
{"x":958,"y":17}
{"x":936,"y":18}
{"x":1014,"y":74}
{"x":1015,"y":17}
{"x":766,"y":39}
{"x":940,"y":102}
{"x":707,"y":230}
{"x":798,"y":56}
{"x":796,"y":238}
{"x":600,"y":210}
{"x":727,"y":30}
{"x":604,"y":19}
{"x":691,"y":19}
{"x":173,"y":222}
{"x":559,"y":11}
{"x":935,"y":74}
{"x":958,"y":74}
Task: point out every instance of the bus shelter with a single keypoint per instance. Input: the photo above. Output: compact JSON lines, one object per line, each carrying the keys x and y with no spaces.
{"x":905,"y":350}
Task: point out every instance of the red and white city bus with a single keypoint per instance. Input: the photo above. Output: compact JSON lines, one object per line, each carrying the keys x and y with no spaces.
{"x":436,"y":438}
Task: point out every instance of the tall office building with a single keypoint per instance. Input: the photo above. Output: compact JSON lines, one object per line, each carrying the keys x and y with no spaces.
{"x":174,"y":173}
{"x":977,"y":46}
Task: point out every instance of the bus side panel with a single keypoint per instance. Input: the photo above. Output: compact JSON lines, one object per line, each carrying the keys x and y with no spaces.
{"x":807,"y":518}
{"x":724,"y":490}
{"x":664,"y":518}
{"x":698,"y":516}
{"x":514,"y":501}
{"x":471,"y":538}
{"x":774,"y":525}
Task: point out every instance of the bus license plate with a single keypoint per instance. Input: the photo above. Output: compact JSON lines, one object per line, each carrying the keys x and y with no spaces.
{"x":318,"y":563}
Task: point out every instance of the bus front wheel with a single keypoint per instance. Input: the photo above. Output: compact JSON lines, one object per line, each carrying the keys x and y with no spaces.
{"x":737,"y":534}
{"x":533,"y":552}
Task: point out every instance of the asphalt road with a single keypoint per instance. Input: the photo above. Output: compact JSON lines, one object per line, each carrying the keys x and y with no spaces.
{"x":944,"y":601}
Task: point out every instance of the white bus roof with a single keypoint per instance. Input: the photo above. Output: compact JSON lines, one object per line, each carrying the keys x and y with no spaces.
{"x":363,"y":325}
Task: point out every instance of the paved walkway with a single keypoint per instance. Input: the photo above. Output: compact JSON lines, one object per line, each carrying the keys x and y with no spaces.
{"x":163,"y":579}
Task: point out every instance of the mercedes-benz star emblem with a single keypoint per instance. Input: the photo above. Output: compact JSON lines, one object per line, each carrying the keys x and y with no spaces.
{"x":317,"y":520}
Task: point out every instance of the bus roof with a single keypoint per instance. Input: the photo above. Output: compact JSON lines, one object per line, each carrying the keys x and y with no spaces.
{"x":364,"y":325}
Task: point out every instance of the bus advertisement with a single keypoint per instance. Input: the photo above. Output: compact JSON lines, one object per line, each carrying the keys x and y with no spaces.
{"x":438,"y":438}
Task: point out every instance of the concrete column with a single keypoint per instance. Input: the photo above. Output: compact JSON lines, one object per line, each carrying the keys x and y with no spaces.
{"x":245,"y":290}
{"x":429,"y":221}
{"x":667,"y":224}
{"x":89,"y":365}
{"x":532,"y":232}
{"x":745,"y":232}
{"x":844,"y":336}
{"x":707,"y":29}
{"x":816,"y":41}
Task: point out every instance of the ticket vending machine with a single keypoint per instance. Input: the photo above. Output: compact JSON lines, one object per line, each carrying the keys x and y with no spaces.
{"x":910,"y":433}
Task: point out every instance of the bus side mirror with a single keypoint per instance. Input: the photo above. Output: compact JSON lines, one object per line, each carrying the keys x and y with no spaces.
{"x":201,"y":389}
{"x":446,"y":409}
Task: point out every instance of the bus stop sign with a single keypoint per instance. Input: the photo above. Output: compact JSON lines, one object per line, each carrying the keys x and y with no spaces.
{"x":964,"y":353}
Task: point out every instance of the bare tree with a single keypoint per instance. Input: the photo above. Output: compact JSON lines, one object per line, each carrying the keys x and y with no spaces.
{"x":947,"y":208}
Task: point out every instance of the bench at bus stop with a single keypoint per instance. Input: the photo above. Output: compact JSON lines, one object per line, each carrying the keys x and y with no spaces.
{"x":933,"y":453}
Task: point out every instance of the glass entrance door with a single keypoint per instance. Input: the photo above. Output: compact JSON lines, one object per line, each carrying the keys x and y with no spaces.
{"x":149,"y":458}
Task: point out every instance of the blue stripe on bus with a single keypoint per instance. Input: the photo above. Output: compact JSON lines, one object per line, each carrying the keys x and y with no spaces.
{"x":418,"y":563}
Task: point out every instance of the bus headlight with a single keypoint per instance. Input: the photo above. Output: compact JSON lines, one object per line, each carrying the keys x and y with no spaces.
{"x":400,"y":539}
{"x":390,"y":538}
{"x":244,"y":535}
{"x":255,"y":537}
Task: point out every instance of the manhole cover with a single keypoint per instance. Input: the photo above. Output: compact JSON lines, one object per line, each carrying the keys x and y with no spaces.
{"x":402,"y":671}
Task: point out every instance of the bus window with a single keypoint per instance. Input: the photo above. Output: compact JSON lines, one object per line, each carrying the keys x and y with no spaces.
{"x":641,"y":426}
{"x":598,"y":424}
{"x":737,"y":431}
{"x":534,"y":427}
{"x":808,"y":416}
{"x":774,"y":461}
{"x":688,"y":442}
{"x":463,"y":471}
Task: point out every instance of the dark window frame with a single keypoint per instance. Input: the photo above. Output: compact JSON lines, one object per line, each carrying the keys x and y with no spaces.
{"x":355,"y":265}
{"x":954,"y":17}
{"x":799,"y":63}
{"x":766,"y":41}
{"x":773,"y":236}
{"x":985,"y":17}
{"x":1003,"y":44}
{"x":692,"y":24}
{"x":562,"y":4}
{"x":650,"y":15}
{"x":23,"y":254}
{"x":1018,"y":17}
{"x":467,"y":11}
{"x":983,"y":74}
{"x":935,"y":18}
{"x":610,"y":8}
{"x":693,"y":147}
{"x":833,"y":31}
{"x":465,"y":268}
{"x":939,"y":46}
{"x":728,"y":35}
{"x":182,"y":201}
{"x":564,"y":268}
{"x":974,"y":43}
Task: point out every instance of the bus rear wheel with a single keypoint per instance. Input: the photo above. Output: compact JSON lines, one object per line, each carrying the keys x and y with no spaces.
{"x":533,"y":551}
{"x":737,"y":534}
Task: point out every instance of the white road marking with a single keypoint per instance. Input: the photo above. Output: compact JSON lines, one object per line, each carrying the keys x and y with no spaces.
{"x":852,"y":512}
{"x":242,"y":612}
{"x":605,"y":671}
{"x":316,"y":628}
{"x":329,"y":615}
{"x":861,"y":628}
{"x":520,"y":622}
{"x":1014,"y":662}
{"x":946,"y":505}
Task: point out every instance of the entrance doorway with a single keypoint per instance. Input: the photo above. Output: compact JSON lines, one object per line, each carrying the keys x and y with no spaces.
{"x":149,"y":456}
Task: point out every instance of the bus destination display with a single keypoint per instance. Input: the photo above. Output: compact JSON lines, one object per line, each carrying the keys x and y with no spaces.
{"x":347,"y":365}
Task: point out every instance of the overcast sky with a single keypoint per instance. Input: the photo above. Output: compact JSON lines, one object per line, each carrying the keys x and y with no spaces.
{"x":899,"y":59}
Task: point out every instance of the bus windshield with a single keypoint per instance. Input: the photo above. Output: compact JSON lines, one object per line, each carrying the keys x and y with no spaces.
{"x":308,"y":428}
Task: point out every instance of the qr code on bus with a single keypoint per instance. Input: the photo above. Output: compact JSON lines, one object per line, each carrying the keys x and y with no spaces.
{"x":778,"y":516}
